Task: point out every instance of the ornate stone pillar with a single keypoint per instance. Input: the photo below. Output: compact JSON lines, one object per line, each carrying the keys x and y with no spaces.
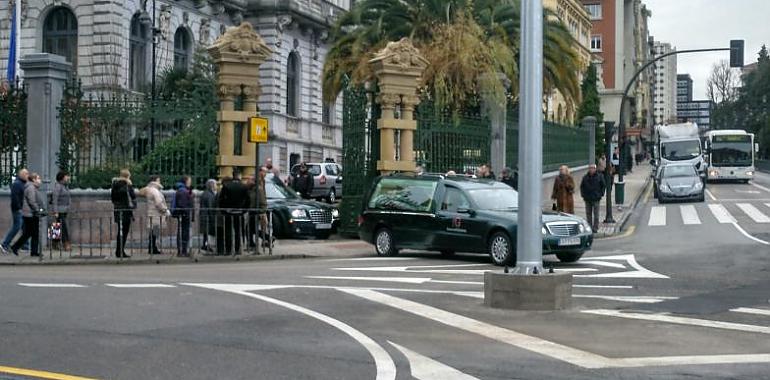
{"x":238,"y":54}
{"x":398,"y":68}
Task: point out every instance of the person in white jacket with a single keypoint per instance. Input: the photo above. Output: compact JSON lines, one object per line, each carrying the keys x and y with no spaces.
{"x":157,"y":211}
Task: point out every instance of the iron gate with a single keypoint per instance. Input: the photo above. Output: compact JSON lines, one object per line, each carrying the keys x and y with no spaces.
{"x":13,"y":135}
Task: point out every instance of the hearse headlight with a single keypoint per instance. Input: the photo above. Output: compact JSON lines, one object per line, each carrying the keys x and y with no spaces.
{"x":544,"y":231}
{"x":335,"y":213}
{"x":584,"y":227}
{"x":299,"y":214}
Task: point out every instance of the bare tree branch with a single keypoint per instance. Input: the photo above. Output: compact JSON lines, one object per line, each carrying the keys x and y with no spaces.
{"x":723,"y":83}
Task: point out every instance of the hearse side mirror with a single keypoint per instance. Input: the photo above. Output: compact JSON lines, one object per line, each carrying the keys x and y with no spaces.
{"x":756,"y":148}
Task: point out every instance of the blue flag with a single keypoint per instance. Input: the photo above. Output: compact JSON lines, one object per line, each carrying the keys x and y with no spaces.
{"x":10,"y":72}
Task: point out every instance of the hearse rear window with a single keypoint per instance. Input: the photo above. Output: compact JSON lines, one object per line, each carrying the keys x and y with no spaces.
{"x":403,"y":194}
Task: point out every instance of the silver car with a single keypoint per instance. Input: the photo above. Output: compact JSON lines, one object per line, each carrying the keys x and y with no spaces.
{"x":327,"y":180}
{"x":679,"y":182}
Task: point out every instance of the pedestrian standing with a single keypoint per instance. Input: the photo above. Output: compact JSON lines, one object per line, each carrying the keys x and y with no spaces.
{"x":563,"y":190}
{"x":267,"y":238}
{"x":233,"y":200}
{"x":592,"y":188}
{"x":60,"y":206}
{"x":208,"y":214}
{"x":32,"y":210}
{"x":124,"y":202}
{"x":17,"y":202}
{"x":157,"y":212}
{"x":183,"y":212}
{"x":252,"y":214}
{"x":510,"y":178}
{"x":274,"y":169}
{"x":303,"y":182}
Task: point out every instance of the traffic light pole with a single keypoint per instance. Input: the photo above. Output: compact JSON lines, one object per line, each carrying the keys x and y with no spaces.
{"x":619,"y":190}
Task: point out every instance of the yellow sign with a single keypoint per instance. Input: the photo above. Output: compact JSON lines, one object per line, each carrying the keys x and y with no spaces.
{"x":258,"y":129}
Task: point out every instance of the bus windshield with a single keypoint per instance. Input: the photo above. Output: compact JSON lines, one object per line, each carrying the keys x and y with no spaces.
{"x":731,"y":151}
{"x":680,"y":150}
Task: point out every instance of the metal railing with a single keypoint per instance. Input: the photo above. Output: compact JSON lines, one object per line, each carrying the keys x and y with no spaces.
{"x":188,"y":234}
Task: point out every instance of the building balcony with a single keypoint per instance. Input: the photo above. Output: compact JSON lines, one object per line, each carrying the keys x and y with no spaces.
{"x":320,"y":13}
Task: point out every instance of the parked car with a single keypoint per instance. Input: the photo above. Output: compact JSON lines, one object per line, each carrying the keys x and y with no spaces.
{"x":297,"y":217}
{"x":679,"y":182}
{"x":328,"y":180}
{"x":451,"y":214}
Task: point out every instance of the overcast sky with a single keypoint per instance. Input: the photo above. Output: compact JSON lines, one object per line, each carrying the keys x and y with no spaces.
{"x":695,"y":24}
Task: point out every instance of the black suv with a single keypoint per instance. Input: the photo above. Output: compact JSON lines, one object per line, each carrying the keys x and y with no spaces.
{"x":450,"y":214}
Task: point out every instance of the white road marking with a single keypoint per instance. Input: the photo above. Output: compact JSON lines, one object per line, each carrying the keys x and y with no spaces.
{"x":570,"y":270}
{"x":140,"y":286}
{"x":424,"y":269}
{"x":425,"y":368}
{"x":603,"y":263}
{"x":406,"y":280}
{"x":689,"y":215}
{"x":657,"y":216}
{"x":638,"y":272}
{"x":376,"y":259}
{"x":530,"y":343}
{"x":386,"y":369}
{"x":250,"y":288}
{"x":748,"y":310}
{"x":759,"y":187}
{"x":747,"y":192}
{"x":748,"y":235}
{"x":682,"y":321}
{"x":721,"y":213}
{"x":767,"y":204}
{"x":753,"y":213}
{"x":604,"y":286}
{"x":634,"y":299}
{"x":457,"y":282}
{"x":50,"y":285}
{"x":708,"y":192}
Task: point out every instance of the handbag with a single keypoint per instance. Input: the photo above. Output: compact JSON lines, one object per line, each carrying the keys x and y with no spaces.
{"x":54,"y":231}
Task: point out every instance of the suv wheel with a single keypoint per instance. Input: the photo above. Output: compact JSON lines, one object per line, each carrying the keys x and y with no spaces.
{"x":384,"y":244}
{"x":501,"y":249}
{"x":569,"y":257}
{"x":332,"y":197}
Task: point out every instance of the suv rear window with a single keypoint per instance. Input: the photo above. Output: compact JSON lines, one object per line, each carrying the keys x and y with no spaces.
{"x":315,"y":170}
{"x":403,"y":194}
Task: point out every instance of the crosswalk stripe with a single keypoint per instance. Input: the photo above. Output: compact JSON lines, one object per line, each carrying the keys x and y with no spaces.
{"x":658,"y":216}
{"x":748,"y":310}
{"x":50,"y":285}
{"x":753,"y":213}
{"x":721,"y":213}
{"x":689,"y":215}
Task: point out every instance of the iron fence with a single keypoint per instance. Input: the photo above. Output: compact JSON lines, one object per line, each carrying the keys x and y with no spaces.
{"x":97,"y":235}
{"x":13,"y":131}
{"x":103,"y":133}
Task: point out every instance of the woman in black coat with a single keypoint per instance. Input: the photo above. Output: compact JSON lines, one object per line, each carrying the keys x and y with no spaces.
{"x":208,"y":213}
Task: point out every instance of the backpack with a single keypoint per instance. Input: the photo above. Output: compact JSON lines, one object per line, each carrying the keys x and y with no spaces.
{"x":175,"y":212}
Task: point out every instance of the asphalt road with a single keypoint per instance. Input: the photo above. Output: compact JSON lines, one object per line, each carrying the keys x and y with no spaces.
{"x":684,"y":294}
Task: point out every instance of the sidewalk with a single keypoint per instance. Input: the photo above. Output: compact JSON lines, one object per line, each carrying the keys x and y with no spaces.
{"x":636,"y":185}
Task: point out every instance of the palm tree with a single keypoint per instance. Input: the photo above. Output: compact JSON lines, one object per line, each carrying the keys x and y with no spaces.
{"x":468,"y":44}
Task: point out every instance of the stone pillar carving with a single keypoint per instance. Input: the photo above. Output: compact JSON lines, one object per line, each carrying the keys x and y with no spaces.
{"x":398,"y":69}
{"x":238,"y":53}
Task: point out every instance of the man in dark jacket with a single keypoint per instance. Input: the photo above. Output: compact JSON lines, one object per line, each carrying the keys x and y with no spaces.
{"x":592,"y":190}
{"x":233,"y":199}
{"x":303,"y":182}
{"x":124,"y":202}
{"x":182,"y":209}
{"x":17,"y":201}
{"x":510,"y":178}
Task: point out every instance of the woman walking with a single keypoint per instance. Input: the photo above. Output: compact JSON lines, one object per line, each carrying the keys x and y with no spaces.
{"x":157,"y":211}
{"x":124,"y":202}
{"x":563,"y":190}
{"x":31,"y":211}
{"x":60,"y":204}
{"x":208,"y":214}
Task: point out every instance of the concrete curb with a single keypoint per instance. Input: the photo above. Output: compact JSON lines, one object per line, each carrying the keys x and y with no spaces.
{"x":164,"y":260}
{"x":626,"y":215}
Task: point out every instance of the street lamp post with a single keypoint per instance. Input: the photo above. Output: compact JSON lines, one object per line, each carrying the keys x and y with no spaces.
{"x":529,"y":243}
{"x":589,"y":122}
{"x":155,"y":32}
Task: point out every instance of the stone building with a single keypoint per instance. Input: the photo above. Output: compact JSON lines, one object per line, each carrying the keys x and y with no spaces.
{"x":577,"y":20}
{"x":110,"y":43}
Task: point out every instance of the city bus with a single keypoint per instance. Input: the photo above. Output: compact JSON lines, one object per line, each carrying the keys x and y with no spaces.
{"x":730,"y":155}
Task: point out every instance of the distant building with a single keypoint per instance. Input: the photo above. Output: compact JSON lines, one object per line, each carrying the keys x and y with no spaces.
{"x":578,"y":22}
{"x":683,"y":88}
{"x":665,"y":85}
{"x":620,"y":46}
{"x":687,"y":109}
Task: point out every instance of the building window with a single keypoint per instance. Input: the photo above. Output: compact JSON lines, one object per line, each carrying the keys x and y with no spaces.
{"x":327,"y":116}
{"x":182,"y":49}
{"x":60,"y":35}
{"x":594,"y":11}
{"x":292,"y":85}
{"x":596,"y":43}
{"x":137,"y":52}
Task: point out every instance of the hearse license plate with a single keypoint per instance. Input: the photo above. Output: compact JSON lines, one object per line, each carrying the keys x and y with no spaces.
{"x":563,"y":242}
{"x":328,"y":226}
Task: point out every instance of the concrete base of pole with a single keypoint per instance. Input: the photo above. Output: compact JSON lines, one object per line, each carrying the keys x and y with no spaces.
{"x":528,"y":292}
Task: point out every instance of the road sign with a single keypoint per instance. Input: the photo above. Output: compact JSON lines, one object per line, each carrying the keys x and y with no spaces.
{"x":258,"y":127}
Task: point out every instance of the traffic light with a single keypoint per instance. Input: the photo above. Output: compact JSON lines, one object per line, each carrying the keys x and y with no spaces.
{"x":736,"y":53}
